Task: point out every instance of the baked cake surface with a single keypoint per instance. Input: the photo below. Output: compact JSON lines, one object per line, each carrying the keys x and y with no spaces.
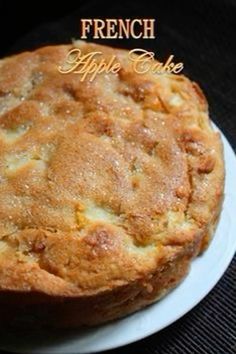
{"x":108,"y":188}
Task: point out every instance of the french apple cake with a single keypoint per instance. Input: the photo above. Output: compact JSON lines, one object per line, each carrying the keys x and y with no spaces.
{"x":108,"y":187}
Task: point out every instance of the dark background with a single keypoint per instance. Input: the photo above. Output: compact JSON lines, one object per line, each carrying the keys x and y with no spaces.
{"x":200,"y":33}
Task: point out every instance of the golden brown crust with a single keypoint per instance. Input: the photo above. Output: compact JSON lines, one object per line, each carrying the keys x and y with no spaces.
{"x":108,"y":188}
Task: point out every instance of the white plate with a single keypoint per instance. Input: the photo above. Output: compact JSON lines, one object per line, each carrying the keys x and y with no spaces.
{"x":205,"y":272}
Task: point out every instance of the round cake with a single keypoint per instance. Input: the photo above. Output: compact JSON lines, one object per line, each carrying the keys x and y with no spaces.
{"x":109,"y":187}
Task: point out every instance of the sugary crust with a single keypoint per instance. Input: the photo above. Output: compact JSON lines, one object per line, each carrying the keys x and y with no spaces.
{"x":108,"y":188}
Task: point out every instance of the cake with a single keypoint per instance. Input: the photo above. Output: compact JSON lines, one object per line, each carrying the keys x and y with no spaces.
{"x":109,"y":188}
